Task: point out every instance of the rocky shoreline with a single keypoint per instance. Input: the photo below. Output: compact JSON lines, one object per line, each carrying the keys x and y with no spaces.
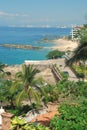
{"x":17,"y":46}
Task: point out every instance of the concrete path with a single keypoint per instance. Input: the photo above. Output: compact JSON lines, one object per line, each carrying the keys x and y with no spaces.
{"x":63,"y":67}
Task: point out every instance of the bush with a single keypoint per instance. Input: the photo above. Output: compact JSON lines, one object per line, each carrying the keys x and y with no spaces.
{"x":55,"y":54}
{"x":17,"y":111}
{"x":20,"y":124}
{"x":51,"y":94}
{"x":73,"y":89}
{"x":72,"y":117}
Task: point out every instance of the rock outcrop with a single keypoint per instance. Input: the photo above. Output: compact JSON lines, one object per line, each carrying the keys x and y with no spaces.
{"x":21,"y":46}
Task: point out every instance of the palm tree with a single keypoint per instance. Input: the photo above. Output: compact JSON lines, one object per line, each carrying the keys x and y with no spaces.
{"x":79,"y":54}
{"x":27,"y":76}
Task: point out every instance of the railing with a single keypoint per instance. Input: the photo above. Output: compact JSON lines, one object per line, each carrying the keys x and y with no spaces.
{"x":56,"y":72}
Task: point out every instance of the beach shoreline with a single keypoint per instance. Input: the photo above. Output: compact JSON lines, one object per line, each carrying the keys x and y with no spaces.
{"x":63,"y":44}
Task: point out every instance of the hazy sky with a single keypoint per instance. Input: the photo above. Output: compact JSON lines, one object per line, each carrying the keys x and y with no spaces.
{"x":42,"y":12}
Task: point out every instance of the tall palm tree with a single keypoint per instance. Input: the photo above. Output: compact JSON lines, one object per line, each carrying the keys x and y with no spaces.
{"x":27,"y":76}
{"x":79,"y":54}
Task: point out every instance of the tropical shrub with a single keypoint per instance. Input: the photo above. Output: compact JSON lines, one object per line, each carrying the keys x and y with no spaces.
{"x":9,"y":91}
{"x":21,"y":110}
{"x":20,"y":124}
{"x":65,"y":75}
{"x":72,"y":117}
{"x":51,"y":93}
{"x":73,"y":91}
{"x":79,"y":70}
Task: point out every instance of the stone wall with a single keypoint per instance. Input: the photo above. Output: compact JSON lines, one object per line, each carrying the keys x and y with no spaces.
{"x":6,"y":120}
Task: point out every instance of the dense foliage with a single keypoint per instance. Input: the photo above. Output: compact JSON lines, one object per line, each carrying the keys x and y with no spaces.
{"x":74,"y":90}
{"x":83,"y":34}
{"x":73,"y":110}
{"x":72,"y":117}
{"x":79,"y":70}
{"x":51,"y":93}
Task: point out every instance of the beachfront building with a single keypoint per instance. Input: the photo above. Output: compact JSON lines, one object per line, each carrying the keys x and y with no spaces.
{"x":74,"y":33}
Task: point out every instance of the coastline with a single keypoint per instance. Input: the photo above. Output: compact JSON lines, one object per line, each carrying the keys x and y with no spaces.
{"x":43,"y":65}
{"x":64,"y":44}
{"x":36,"y":37}
{"x":60,"y":44}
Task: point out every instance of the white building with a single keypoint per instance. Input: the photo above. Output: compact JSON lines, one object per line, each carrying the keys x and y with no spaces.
{"x":73,"y":33}
{"x":1,"y":111}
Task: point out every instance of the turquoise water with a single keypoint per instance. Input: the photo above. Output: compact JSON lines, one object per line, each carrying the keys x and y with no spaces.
{"x":30,"y":36}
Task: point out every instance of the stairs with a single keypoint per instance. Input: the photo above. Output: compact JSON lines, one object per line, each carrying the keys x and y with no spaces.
{"x":56,"y":72}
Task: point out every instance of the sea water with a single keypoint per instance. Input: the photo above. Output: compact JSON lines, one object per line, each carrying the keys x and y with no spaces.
{"x":27,"y":36}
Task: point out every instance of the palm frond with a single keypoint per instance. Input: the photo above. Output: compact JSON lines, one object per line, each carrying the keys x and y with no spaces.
{"x":34,"y":95}
{"x":20,"y":97}
{"x":79,"y":54}
{"x":14,"y":87}
{"x":18,"y":75}
{"x":1,"y":67}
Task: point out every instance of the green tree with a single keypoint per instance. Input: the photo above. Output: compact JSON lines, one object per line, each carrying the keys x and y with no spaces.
{"x":26,"y":77}
{"x":85,"y":25}
{"x":55,"y":54}
{"x":79,"y":55}
{"x":82,"y":34}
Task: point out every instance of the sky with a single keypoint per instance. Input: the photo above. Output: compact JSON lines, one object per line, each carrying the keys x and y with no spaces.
{"x":28,"y":13}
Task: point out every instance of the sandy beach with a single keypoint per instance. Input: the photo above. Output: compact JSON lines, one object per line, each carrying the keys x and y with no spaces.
{"x":64,"y":44}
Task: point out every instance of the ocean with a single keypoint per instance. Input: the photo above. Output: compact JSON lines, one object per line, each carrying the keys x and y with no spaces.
{"x":27,"y":36}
